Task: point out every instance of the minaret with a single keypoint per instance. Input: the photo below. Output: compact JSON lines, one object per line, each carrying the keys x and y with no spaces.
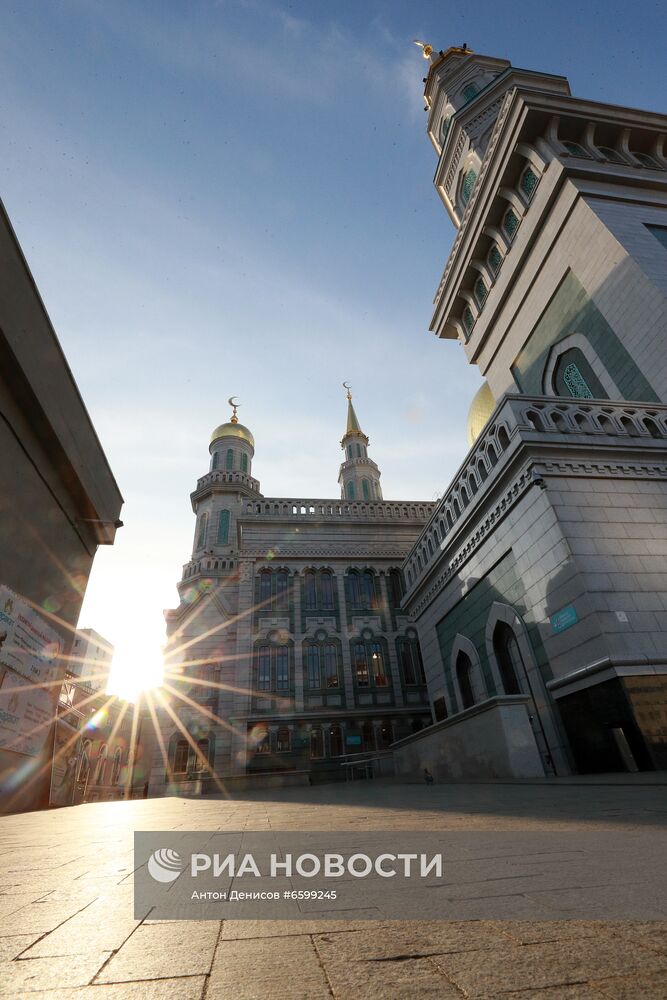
{"x":359,"y":477}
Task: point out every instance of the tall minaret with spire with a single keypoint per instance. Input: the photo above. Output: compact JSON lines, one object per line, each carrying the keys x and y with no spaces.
{"x":359,"y":476}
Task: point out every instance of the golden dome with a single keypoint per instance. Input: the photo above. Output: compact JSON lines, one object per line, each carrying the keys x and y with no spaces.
{"x":481,"y":408}
{"x":236,"y":430}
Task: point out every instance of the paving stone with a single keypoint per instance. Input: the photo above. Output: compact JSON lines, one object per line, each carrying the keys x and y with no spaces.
{"x":186,"y":988}
{"x":180,"y":948}
{"x":12,"y":946}
{"x":24,"y":976}
{"x":648,"y":987}
{"x":255,"y":970}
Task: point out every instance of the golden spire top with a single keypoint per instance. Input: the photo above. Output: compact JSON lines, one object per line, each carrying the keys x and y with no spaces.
{"x":349,"y":394}
{"x":427,"y":50}
{"x":235,"y":406}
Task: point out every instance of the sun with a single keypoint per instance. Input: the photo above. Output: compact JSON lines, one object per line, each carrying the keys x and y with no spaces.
{"x":138,"y":665}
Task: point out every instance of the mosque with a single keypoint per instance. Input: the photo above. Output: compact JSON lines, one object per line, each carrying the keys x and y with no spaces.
{"x":518,"y":626}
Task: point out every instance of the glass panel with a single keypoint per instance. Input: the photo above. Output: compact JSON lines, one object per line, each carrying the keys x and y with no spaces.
{"x":214,"y":460}
{"x":480,"y":291}
{"x":282,"y":589}
{"x":310,"y":590}
{"x":244,"y":462}
{"x":181,"y":757}
{"x":367,"y":590}
{"x":201,"y":535}
{"x":360,"y":664}
{"x":282,"y":669}
{"x":350,"y":491}
{"x":264,"y":589}
{"x":495,"y":259}
{"x":365,"y":490}
{"x":353,"y":589}
{"x":576,"y":383}
{"x":528,"y":181}
{"x":611,"y":154}
{"x":469,"y":92}
{"x":283,"y":740}
{"x":377,"y":658}
{"x":223,"y":527}
{"x":326,"y":591}
{"x":407,"y":664}
{"x":313,"y":666}
{"x":468,"y":319}
{"x":444,"y":128}
{"x":229,"y":460}
{"x":467,"y":186}
{"x":330,"y":666}
{"x":511,"y":222}
{"x":316,"y":743}
{"x":264,"y":669}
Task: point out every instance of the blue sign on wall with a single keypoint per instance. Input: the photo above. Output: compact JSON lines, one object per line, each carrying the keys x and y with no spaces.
{"x":564,"y":618}
{"x":353,"y":741}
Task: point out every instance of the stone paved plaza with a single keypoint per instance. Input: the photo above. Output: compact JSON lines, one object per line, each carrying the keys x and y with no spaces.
{"x":67,"y":927}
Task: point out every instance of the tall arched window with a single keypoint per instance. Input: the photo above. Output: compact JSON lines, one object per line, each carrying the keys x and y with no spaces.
{"x":229,"y":460}
{"x":282,"y":590}
{"x":116,"y":766}
{"x":377,"y":660}
{"x":100,"y":770}
{"x":469,"y":91}
{"x":574,"y":376}
{"x":360,"y":664}
{"x":495,"y":259}
{"x":264,"y":668}
{"x":181,"y":753}
{"x":316,"y":742}
{"x":223,"y":527}
{"x":214,"y":460}
{"x":360,"y":587}
{"x":528,"y":182}
{"x":480,"y":292}
{"x":322,"y":665}
{"x":244,"y":462}
{"x":83,"y":769}
{"x":201,"y":762}
{"x":510,"y":223}
{"x":326,"y":591}
{"x":282,"y":668}
{"x":410,"y":658}
{"x":265,"y":588}
{"x":464,"y":678}
{"x":313,"y":667}
{"x":365,"y":489}
{"x":467,"y":186}
{"x":201,"y":532}
{"x":335,"y":741}
{"x":349,"y":490}
{"x":508,"y":655}
{"x":283,"y":743}
{"x":310,"y":591}
{"x":468,"y":319}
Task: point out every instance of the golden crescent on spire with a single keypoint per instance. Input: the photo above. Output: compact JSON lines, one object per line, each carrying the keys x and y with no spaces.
{"x":235,"y":406}
{"x":427,"y":50}
{"x":346,"y":386}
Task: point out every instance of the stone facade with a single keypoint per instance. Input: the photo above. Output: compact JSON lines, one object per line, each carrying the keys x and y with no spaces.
{"x":289,"y":653}
{"x":540,"y":574}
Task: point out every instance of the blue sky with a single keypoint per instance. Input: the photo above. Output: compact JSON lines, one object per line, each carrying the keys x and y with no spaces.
{"x":236,"y":198}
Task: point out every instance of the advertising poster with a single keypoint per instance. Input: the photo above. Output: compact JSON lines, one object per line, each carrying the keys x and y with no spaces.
{"x":29,"y":660}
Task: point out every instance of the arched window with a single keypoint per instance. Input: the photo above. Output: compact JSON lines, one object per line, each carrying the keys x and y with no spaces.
{"x":100,"y":770}
{"x":573,"y":376}
{"x":214,"y":460}
{"x":331,"y":678}
{"x":201,"y":762}
{"x":282,"y":668}
{"x":181,"y":753}
{"x":326,"y":591}
{"x":444,"y":128}
{"x":367,"y":589}
{"x":265,"y":589}
{"x":283,"y":740}
{"x":411,"y":662}
{"x":468,"y":319}
{"x":313,"y":667}
{"x":508,"y":655}
{"x":310,"y":590}
{"x":316,"y":742}
{"x":264,"y":668}
{"x":612,"y":155}
{"x":349,"y":490}
{"x":377,"y":659}
{"x":244,"y":462}
{"x":467,"y":186}
{"x":223,"y":527}
{"x":365,"y":489}
{"x":282,"y":590}
{"x":480,"y":292}
{"x":358,"y":447}
{"x":528,"y":182}
{"x":116,"y":766}
{"x":201,"y":532}
{"x":361,"y":674}
{"x":229,"y":460}
{"x":335,"y":741}
{"x":503,"y":438}
{"x":646,"y":160}
{"x":495,"y":259}
{"x":464,"y":678}
{"x":349,"y":452}
{"x":469,"y":91}
{"x":263,"y":744}
{"x":576,"y":149}
{"x":510,"y":223}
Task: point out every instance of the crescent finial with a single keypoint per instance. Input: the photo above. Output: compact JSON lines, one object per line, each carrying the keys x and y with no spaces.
{"x":235,"y":407}
{"x":347,"y":386}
